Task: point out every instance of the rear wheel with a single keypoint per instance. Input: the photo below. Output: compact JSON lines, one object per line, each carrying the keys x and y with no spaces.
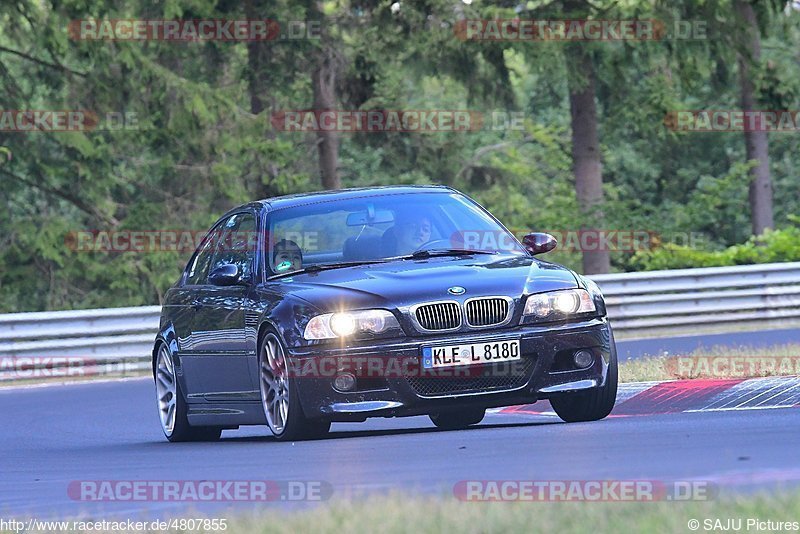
{"x":590,"y":405}
{"x":279,"y":396}
{"x":172,"y":410}
{"x":457,"y":419}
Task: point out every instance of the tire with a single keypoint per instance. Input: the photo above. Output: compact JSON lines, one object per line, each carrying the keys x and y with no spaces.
{"x":172,"y":409}
{"x":280,"y":399}
{"x":591,"y":405}
{"x":457,"y":420}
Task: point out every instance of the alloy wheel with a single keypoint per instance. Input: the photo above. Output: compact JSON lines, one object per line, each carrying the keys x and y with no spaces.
{"x":274,"y":384}
{"x":166,"y":390}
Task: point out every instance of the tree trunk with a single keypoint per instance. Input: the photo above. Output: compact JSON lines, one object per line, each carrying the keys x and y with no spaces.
{"x":756,"y":142}
{"x":586,"y":155}
{"x":257,"y":60}
{"x":323,"y":80}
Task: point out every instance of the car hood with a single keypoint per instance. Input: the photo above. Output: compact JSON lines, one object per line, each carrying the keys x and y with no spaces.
{"x":405,"y":282}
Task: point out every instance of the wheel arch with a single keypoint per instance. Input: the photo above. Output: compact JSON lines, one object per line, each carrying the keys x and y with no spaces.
{"x":266,"y":325}
{"x":166,"y":336}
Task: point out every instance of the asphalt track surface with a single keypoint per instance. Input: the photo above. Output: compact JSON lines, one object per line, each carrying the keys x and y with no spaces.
{"x":55,"y":435}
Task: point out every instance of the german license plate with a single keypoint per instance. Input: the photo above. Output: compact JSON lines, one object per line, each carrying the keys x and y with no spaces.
{"x":470,"y":354}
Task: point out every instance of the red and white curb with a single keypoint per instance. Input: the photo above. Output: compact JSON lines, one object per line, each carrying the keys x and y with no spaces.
{"x":679,"y":396}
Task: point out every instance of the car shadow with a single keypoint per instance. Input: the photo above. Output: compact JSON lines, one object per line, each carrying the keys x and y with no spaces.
{"x":342,"y":434}
{"x":350,"y":434}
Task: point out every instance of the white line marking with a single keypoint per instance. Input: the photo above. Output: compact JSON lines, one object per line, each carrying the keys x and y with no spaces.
{"x":739,"y":409}
{"x":773,"y":388}
{"x":73,"y":383}
{"x":779,"y":394}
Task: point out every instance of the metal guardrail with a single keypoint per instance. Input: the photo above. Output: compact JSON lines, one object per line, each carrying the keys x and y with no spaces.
{"x":647,"y":304}
{"x":716,"y":299}
{"x":112,"y":341}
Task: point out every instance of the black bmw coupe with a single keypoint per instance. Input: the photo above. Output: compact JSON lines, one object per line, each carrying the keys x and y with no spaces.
{"x":303,"y":310}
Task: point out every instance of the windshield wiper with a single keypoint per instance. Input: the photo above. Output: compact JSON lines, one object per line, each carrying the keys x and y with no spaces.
{"x":419,"y":254}
{"x":325,"y":267}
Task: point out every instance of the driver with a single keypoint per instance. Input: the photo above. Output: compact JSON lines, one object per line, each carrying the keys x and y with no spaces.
{"x":411,"y":231}
{"x":286,"y":256}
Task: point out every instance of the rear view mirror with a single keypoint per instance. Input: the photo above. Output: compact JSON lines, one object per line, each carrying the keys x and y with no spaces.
{"x":369,"y":217}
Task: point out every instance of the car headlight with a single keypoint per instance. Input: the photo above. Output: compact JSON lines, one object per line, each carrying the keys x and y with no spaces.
{"x":348,"y":323}
{"x":559,"y":304}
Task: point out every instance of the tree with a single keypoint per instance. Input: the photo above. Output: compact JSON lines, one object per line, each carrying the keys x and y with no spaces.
{"x":756,"y":141}
{"x":586,"y":158}
{"x":323,"y":82}
{"x":586,"y":162}
{"x":592,"y":151}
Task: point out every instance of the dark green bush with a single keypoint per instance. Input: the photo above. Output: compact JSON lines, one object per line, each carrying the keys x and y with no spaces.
{"x":772,"y":246}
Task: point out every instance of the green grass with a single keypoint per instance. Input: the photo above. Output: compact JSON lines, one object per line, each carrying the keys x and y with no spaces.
{"x":400,"y":513}
{"x":755,"y":362}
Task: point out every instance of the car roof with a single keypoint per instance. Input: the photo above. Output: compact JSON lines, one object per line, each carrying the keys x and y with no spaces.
{"x":300,"y":199}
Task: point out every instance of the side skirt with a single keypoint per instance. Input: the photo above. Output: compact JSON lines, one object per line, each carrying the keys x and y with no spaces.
{"x":226,"y":414}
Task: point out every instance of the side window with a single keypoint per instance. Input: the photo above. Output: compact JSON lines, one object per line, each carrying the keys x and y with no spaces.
{"x":237,"y":243}
{"x":199,"y":267}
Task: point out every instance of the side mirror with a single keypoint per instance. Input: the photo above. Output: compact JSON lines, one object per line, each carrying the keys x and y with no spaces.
{"x":225,"y":275}
{"x":539,"y":243}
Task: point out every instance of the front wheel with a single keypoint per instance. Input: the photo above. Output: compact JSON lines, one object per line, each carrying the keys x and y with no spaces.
{"x":172,"y":410}
{"x":279,"y":396}
{"x":457,"y":420}
{"x":591,"y":405}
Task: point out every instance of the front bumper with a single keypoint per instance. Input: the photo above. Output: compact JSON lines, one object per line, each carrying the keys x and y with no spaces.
{"x":541,"y":373}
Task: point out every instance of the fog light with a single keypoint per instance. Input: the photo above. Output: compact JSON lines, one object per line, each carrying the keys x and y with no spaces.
{"x":583,"y":358}
{"x":344,"y":382}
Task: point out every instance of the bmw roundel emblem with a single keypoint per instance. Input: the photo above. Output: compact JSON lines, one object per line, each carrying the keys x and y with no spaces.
{"x":456,"y":290}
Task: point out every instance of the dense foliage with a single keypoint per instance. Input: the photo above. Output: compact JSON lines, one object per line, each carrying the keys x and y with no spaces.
{"x":203,"y":142}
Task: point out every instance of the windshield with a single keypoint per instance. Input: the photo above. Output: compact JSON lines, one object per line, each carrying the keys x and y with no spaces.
{"x":381,"y":227}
